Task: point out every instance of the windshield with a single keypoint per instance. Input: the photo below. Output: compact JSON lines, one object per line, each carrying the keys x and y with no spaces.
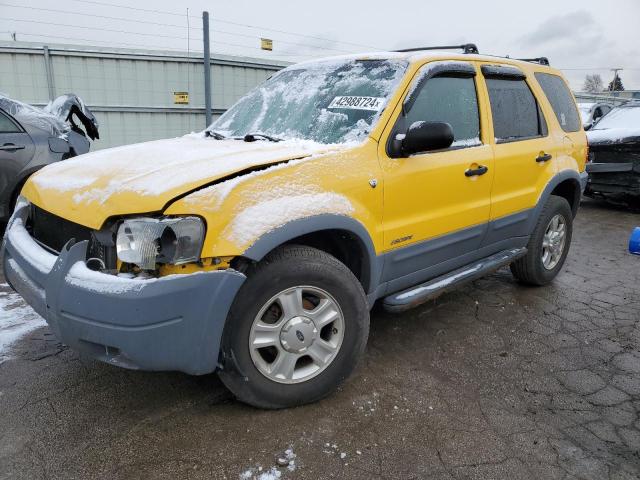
{"x":327,"y":102}
{"x":621,"y":117}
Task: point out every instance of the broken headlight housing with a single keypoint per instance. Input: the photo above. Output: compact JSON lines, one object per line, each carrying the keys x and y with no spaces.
{"x":147,"y":241}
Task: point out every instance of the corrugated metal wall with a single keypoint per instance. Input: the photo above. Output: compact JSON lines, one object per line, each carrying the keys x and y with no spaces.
{"x":130,"y":91}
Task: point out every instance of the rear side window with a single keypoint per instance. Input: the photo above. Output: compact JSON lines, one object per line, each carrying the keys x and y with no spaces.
{"x":452,"y":100}
{"x":515,"y":111}
{"x":561,"y":101}
{"x":6,"y":125}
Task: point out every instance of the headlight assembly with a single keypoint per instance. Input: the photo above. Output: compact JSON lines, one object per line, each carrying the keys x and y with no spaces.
{"x":147,"y":241}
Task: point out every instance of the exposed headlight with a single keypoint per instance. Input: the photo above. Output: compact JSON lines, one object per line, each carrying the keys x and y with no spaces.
{"x":147,"y":241}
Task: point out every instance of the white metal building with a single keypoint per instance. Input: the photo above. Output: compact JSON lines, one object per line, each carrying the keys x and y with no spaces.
{"x":131,"y":92}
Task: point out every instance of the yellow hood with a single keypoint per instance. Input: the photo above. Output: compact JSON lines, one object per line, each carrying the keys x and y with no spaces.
{"x":146,"y":177}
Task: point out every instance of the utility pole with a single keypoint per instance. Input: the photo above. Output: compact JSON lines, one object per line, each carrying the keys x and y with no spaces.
{"x":207,"y":67}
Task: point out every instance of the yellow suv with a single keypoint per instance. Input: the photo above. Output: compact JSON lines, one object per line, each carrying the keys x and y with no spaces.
{"x":258,"y":246}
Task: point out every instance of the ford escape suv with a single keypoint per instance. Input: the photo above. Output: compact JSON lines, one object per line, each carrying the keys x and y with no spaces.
{"x":257,"y":247}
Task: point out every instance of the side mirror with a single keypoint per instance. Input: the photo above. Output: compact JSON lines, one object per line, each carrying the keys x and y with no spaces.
{"x":424,"y":137}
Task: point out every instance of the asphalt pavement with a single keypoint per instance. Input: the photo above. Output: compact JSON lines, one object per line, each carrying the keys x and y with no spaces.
{"x":493,"y":381}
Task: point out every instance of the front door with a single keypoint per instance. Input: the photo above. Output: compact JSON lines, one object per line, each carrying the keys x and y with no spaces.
{"x":16,"y":150}
{"x":437,"y":204}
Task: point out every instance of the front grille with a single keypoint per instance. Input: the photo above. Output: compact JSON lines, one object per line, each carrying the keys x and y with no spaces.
{"x":53,"y":233}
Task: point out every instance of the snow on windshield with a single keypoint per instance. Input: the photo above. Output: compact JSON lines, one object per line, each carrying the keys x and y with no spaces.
{"x":327,"y":102}
{"x":621,"y":117}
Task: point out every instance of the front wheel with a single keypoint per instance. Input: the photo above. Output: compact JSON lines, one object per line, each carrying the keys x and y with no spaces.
{"x":548,"y":246}
{"x":296,"y":330}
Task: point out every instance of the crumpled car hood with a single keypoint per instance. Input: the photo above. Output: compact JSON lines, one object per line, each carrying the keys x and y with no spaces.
{"x":146,"y":177}
{"x":56,"y":118}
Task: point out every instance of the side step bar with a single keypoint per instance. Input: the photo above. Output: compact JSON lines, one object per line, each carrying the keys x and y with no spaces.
{"x":414,"y":296}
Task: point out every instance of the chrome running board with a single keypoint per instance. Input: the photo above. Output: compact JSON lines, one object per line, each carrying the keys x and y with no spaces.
{"x":424,"y":292}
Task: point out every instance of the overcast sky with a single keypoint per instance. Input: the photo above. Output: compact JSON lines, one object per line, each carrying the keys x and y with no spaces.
{"x":579,"y":37}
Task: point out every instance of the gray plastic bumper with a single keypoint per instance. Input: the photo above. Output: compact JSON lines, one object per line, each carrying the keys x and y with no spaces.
{"x":170,"y":323}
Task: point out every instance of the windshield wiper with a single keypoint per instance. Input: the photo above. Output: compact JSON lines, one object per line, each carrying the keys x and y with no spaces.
{"x":214,"y":134}
{"x":252,"y":137}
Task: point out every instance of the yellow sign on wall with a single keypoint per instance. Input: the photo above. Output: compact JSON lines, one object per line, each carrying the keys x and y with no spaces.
{"x":266,"y":44}
{"x":181,"y":98}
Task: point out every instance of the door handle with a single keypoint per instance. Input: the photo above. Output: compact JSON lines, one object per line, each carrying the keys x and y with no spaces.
{"x":476,"y":172}
{"x":543,"y":157}
{"x":10,"y":147}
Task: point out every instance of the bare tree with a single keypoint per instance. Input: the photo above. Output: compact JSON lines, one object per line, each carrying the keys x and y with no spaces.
{"x":593,"y":83}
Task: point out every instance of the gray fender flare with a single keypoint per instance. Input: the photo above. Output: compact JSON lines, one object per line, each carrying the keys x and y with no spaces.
{"x":317,"y":223}
{"x":571,"y":175}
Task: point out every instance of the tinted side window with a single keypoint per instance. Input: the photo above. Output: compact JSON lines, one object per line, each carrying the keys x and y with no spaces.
{"x":452,"y":100}
{"x":514,"y":109}
{"x":6,"y":125}
{"x":561,"y":101}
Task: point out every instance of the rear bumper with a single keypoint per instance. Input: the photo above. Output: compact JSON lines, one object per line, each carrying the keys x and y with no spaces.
{"x":171,"y":323}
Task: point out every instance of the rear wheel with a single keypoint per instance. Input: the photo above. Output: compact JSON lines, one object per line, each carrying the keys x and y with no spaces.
{"x":548,"y":246}
{"x":296,"y":330}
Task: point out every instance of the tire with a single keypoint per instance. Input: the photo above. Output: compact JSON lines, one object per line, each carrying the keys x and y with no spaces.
{"x":531,"y":269}
{"x":289,"y":269}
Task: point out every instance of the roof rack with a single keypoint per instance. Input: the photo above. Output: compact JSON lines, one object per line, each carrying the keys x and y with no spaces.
{"x":540,"y":60}
{"x":466,"y":47}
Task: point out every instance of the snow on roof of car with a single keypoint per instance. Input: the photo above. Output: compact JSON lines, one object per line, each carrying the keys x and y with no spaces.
{"x":419,"y":55}
{"x":33,"y":116}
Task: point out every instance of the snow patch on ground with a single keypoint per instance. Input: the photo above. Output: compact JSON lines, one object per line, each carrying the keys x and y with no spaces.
{"x":367,"y":404}
{"x":257,"y":474}
{"x":256,"y":220}
{"x":16,"y":320}
{"x":271,"y":473}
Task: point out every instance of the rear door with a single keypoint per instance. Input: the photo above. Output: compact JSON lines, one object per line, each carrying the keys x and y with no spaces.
{"x":523,"y":151}
{"x":16,"y":150}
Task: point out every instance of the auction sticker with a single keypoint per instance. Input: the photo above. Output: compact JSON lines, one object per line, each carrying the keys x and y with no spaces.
{"x":357,"y":103}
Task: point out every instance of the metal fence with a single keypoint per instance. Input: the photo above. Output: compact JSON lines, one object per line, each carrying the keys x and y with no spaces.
{"x":130,"y":91}
{"x":614,"y":98}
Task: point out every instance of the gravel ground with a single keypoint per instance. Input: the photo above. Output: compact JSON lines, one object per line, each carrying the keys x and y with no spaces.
{"x":495,"y":380}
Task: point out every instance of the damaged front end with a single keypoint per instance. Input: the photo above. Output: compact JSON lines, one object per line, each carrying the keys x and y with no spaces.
{"x":614,"y":168}
{"x":172,"y":322}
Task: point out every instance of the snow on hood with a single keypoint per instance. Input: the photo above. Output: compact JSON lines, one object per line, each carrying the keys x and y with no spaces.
{"x":145,"y":177}
{"x":622,"y":123}
{"x":612,"y":135}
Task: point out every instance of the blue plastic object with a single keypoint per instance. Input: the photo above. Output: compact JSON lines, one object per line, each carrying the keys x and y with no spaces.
{"x":634,"y":241}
